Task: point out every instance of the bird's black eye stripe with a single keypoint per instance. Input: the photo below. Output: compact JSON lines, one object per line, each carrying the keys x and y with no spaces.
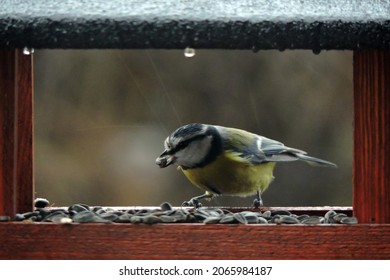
{"x":183,"y":144}
{"x":180,"y":146}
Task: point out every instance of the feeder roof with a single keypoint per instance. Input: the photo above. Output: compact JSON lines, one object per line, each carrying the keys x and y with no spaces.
{"x":173,"y":24}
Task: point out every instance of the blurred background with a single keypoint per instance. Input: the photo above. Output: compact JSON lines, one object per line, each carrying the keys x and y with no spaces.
{"x":101,"y":117}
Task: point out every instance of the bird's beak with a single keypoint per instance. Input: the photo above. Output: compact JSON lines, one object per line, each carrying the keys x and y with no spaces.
{"x":165,"y":159}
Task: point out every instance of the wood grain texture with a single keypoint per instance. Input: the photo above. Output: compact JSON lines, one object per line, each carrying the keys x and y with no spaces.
{"x":371,"y":173}
{"x":16,"y":132}
{"x":192,"y":241}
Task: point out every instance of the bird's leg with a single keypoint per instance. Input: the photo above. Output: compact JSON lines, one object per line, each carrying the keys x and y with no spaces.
{"x":258,"y":202}
{"x":194,"y":202}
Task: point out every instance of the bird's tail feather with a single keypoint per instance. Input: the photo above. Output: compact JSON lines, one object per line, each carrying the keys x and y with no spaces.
{"x":315,"y":161}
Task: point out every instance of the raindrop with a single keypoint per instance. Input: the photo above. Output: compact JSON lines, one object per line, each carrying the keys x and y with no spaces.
{"x":316,"y":51}
{"x":28,"y":51}
{"x":189,"y":52}
{"x":255,"y":49}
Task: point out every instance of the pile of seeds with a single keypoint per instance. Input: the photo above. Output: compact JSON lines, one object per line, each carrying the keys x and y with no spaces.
{"x":81,"y":213}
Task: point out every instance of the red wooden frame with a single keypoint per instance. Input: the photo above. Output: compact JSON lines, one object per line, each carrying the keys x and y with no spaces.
{"x":16,"y":132}
{"x":371,"y":192}
{"x":371,"y":167}
{"x":193,"y":241}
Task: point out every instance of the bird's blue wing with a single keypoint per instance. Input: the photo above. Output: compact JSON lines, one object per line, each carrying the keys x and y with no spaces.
{"x":247,"y":147}
{"x":250,"y":148}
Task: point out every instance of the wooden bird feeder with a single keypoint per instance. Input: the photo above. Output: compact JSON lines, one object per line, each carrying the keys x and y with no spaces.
{"x":362,"y":26}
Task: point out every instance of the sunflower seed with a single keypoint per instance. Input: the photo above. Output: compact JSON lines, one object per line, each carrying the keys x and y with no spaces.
{"x":349,"y":220}
{"x":65,"y":220}
{"x":239,"y":217}
{"x":143,"y":212}
{"x":167,"y":219}
{"x":251,"y":217}
{"x":44,"y":212}
{"x":275,"y":219}
{"x":329,"y":217}
{"x":281,"y":212}
{"x":136,"y":219}
{"x":41,"y":203}
{"x":311,"y":220}
{"x":201,"y":214}
{"x":266,"y":214}
{"x":83,"y":213}
{"x":125,"y":218}
{"x":78,"y":208}
{"x":228,"y":219}
{"x":98,"y":208}
{"x":55,"y":217}
{"x":88,"y":217}
{"x":28,"y":215}
{"x":166,"y":206}
{"x":151,"y":219}
{"x":109,"y":216}
{"x":338,"y":217}
{"x":288,"y":220}
{"x":262,"y":220}
{"x":5,"y":218}
{"x":302,"y":217}
{"x":212,"y":220}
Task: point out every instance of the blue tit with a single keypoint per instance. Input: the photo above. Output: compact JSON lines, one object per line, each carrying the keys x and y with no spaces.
{"x":227,"y":161}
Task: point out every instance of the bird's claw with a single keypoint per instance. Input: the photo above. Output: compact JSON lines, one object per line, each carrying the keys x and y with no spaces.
{"x":193,"y":202}
{"x":257,"y":203}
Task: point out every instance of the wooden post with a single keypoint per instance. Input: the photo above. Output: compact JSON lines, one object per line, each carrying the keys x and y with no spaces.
{"x":16,"y":132}
{"x":371,"y":171}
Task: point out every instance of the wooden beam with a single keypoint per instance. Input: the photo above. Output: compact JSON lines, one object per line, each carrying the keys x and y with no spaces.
{"x":192,"y":241}
{"x":371,"y":171}
{"x":16,"y":132}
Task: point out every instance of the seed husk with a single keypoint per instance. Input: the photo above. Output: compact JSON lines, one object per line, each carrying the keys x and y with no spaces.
{"x":151,"y":219}
{"x":251,"y":217}
{"x":227,"y":219}
{"x":349,"y":220}
{"x":55,"y":217}
{"x":166,"y":206}
{"x":212,"y":220}
{"x":167,"y":219}
{"x":288,"y":220}
{"x":239,"y":217}
{"x":88,"y":217}
{"x":311,"y":220}
{"x":281,"y":213}
{"x":41,"y":203}
{"x":261,"y":220}
{"x":338,"y":217}
{"x":136,"y":219}
{"x":5,"y":218}
{"x":166,"y":213}
{"x":78,"y":208}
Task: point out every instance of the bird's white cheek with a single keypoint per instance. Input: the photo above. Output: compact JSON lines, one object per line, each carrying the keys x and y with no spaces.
{"x":194,"y":153}
{"x":186,"y":157}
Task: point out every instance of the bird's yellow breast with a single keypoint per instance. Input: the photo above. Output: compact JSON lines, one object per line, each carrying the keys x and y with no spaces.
{"x":230,"y":175}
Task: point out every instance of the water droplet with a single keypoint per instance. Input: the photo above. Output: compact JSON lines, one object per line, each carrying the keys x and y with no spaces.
{"x":255,"y":49}
{"x":316,"y":51}
{"x":189,"y":52}
{"x":28,"y":51}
